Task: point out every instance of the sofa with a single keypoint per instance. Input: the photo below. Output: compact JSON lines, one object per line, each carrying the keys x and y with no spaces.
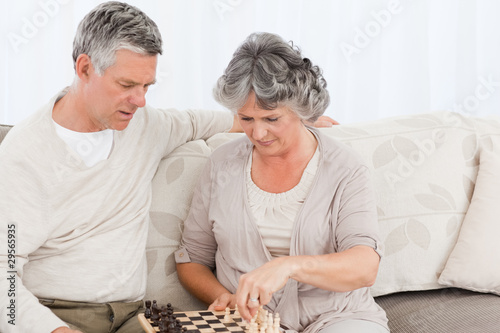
{"x":437,"y":182}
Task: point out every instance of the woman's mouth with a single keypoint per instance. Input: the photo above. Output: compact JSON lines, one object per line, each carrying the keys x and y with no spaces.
{"x":265,"y":143}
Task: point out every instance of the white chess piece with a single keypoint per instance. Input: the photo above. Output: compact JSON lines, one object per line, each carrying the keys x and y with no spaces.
{"x":270,"y":323}
{"x":227,"y":315}
{"x":276,"y":324}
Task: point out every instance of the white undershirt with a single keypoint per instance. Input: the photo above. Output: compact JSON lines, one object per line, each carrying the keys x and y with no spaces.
{"x":275,"y":212}
{"x":92,"y":147}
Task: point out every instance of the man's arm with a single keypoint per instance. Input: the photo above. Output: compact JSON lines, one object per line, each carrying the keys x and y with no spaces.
{"x":22,"y":230}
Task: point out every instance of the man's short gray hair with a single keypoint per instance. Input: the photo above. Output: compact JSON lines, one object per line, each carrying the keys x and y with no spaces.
{"x":112,"y":26}
{"x":278,"y":75}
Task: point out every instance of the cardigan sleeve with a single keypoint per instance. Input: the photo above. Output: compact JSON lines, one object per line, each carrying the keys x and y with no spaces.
{"x":198,"y":243}
{"x":357,"y":221}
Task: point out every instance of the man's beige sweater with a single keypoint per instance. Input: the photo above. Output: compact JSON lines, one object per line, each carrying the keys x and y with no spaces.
{"x":80,"y":232}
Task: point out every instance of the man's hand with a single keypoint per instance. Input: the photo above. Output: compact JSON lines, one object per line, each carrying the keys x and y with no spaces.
{"x":324,"y":121}
{"x":236,"y":126}
{"x":64,"y":329}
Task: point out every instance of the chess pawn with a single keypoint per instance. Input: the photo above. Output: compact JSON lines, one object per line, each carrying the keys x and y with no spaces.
{"x":236,"y":312}
{"x":227,"y":315}
{"x":270,"y":322}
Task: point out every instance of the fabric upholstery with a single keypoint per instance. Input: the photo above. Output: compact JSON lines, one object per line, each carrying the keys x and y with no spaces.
{"x":474,"y":262}
{"x":444,"y":310}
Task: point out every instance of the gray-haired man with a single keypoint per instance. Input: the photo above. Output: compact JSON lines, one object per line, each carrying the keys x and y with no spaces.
{"x":76,"y":183}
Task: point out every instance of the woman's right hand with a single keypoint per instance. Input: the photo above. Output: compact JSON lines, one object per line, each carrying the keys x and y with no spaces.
{"x":222,"y":302}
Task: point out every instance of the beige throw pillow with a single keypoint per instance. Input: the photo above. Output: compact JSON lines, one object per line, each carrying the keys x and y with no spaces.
{"x":474,"y":263}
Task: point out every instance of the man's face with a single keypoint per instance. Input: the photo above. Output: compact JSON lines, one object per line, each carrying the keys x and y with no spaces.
{"x":112,"y":99}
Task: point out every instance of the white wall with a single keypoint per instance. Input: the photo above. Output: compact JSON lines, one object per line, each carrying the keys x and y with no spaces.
{"x":380,"y":57}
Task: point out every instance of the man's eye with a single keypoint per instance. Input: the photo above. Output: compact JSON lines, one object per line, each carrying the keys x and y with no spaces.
{"x":246,"y":118}
{"x":272,"y":119}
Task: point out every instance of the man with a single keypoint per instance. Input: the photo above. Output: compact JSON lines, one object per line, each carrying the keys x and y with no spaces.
{"x":76,"y":184}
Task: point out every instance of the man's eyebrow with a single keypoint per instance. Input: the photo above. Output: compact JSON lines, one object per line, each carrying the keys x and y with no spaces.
{"x":133,"y":83}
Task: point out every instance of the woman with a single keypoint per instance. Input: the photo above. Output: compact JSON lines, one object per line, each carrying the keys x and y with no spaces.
{"x":285,"y":216}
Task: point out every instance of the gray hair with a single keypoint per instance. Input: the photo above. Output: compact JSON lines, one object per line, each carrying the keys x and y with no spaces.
{"x":278,"y":75}
{"x":112,"y":26}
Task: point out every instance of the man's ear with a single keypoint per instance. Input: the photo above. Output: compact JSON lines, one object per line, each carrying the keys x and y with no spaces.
{"x":83,"y":67}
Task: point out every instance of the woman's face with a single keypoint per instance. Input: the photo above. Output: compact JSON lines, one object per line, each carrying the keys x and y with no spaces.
{"x":273,"y":132}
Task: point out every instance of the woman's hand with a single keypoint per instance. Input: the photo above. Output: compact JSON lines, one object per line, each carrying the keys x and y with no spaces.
{"x":257,"y":287}
{"x":222,"y":302}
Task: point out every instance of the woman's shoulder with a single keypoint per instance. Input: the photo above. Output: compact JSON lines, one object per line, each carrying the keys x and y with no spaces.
{"x":340,"y":152}
{"x":234,"y":149}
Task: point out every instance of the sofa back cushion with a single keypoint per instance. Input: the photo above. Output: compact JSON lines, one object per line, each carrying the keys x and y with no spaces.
{"x":173,"y":187}
{"x":423,"y":168}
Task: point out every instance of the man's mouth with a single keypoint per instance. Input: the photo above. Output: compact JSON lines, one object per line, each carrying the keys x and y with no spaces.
{"x":127,"y":115}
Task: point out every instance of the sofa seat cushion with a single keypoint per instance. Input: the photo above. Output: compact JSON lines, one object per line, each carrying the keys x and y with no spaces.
{"x":445,"y":310}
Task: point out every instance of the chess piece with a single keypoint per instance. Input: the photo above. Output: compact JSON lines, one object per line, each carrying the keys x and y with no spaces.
{"x":276,"y":323}
{"x":147,"y":311}
{"x":236,"y":312}
{"x":155,"y":313}
{"x":270,"y":322}
{"x":227,"y":315}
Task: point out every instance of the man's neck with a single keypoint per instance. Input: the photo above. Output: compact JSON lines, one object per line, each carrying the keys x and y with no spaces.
{"x":70,"y":115}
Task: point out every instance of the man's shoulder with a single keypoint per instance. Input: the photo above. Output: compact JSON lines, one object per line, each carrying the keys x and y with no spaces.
{"x":32,"y":128}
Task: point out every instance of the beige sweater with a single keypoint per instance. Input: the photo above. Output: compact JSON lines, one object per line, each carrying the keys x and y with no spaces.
{"x":81,"y":232}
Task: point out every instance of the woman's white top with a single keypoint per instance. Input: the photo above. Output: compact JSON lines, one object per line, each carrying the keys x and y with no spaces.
{"x":275,"y":213}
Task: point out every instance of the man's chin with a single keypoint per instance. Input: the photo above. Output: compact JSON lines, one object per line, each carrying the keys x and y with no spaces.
{"x":120,"y":126}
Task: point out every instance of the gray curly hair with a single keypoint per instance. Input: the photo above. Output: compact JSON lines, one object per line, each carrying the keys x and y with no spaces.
{"x":278,"y":75}
{"x":112,"y":26}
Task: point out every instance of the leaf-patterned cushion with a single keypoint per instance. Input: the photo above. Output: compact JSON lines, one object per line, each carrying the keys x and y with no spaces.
{"x":474,"y":263}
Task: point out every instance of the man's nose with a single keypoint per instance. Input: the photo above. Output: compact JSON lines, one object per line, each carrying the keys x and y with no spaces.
{"x":138,"y":97}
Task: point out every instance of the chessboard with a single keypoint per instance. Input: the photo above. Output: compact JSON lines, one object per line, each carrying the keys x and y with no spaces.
{"x":164,"y":320}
